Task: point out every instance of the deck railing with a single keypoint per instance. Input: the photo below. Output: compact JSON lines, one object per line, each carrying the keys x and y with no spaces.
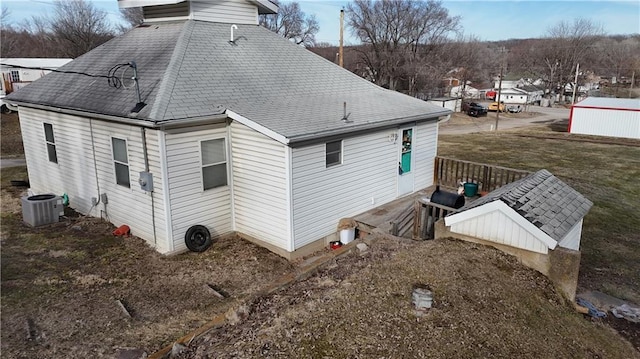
{"x":449,"y":172}
{"x":403,"y":223}
{"x":426,"y":214}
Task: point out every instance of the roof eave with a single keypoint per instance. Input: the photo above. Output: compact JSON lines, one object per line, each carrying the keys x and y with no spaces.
{"x":300,"y":140}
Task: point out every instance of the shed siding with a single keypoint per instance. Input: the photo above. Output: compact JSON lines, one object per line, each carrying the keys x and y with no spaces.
{"x":189,"y":203}
{"x":605,"y":122}
{"x":260,"y":186}
{"x":75,"y":173}
{"x":322,"y":196}
{"x":229,"y":11}
{"x":498,"y":227}
{"x":425,"y":150}
{"x":572,"y":239}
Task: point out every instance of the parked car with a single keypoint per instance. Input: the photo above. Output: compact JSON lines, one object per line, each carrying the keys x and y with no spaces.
{"x":476,"y":110}
{"x":514,"y":109}
{"x":494,"y":106}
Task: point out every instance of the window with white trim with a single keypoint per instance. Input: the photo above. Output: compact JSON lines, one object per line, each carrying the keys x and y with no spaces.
{"x":214,"y":163}
{"x":121,"y":161}
{"x":15,"y":75}
{"x":51,"y":143}
{"x":333,"y":153}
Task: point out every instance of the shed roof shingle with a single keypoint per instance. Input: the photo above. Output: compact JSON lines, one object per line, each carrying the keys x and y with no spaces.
{"x":190,"y":69}
{"x":542,"y":199}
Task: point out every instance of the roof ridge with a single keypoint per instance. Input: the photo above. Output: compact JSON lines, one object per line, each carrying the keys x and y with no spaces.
{"x":161,"y":103}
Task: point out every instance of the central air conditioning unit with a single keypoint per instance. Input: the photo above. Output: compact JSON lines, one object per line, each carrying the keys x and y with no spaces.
{"x":42,"y":209}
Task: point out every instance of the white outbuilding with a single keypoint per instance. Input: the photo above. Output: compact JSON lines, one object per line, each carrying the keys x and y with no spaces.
{"x":600,"y":116}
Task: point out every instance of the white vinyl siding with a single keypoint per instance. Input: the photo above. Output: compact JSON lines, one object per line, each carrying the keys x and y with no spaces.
{"x":605,"y":122}
{"x":75,"y":173}
{"x":190,"y":204}
{"x":322,"y":196}
{"x":571,"y":240}
{"x":161,"y":12}
{"x":260,"y":186}
{"x":497,"y":227}
{"x":425,"y":147}
{"x":226,"y":11}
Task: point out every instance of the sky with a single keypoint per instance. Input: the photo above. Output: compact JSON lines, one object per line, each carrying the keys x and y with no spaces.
{"x":487,"y":20}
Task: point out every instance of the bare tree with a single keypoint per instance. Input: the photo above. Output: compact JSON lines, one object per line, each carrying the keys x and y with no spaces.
{"x":78,"y":26}
{"x":134,"y":16}
{"x":8,"y":35}
{"x":292,"y":23}
{"x":567,"y":44}
{"x":401,"y":37}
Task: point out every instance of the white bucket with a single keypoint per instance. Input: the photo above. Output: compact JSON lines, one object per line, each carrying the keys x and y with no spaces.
{"x":347,"y":235}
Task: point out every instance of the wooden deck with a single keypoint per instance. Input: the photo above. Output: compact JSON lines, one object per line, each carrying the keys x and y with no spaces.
{"x":381,"y":216}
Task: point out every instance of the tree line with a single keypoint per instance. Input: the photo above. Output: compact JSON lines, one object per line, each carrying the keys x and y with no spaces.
{"x":405,"y":45}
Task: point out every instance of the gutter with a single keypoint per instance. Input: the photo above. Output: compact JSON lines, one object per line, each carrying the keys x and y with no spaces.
{"x":374,"y":126}
{"x":161,"y":125}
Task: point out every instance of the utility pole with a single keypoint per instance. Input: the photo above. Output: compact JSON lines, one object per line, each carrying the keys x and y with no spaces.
{"x":575,"y":85}
{"x":341,"y":38}
{"x":633,"y":80}
{"x":498,"y":97}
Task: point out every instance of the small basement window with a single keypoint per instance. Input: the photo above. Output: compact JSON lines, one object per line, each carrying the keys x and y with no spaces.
{"x":51,"y":143}
{"x":214,"y":163}
{"x":121,"y":161}
{"x":333,"y":151}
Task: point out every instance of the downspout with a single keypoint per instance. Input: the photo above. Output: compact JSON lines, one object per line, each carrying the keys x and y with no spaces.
{"x":143,"y":134}
{"x":95,"y":164}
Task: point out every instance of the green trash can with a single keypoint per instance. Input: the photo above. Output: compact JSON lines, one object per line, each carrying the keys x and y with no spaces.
{"x":470,"y":189}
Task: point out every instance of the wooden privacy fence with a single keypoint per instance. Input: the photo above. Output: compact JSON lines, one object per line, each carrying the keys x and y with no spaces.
{"x":449,"y":172}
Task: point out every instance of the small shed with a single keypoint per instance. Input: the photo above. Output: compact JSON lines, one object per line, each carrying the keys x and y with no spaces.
{"x":450,"y":103}
{"x":538,"y":219}
{"x":536,"y":213}
{"x":601,"y":116}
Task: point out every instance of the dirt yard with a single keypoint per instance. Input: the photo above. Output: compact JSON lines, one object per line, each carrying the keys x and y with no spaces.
{"x":60,"y":284}
{"x":485,"y":305}
{"x":11,"y":144}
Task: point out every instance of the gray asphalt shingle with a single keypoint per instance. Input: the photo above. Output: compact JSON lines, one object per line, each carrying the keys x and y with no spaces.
{"x":543,"y":200}
{"x":190,"y":69}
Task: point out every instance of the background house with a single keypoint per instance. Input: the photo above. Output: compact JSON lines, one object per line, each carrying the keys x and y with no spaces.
{"x":233,"y":128}
{"x":18,"y":72}
{"x":600,"y":116}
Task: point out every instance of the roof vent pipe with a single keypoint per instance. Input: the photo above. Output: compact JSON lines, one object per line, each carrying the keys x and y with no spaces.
{"x":231,"y":39}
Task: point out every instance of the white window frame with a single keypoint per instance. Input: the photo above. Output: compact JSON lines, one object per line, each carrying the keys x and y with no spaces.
{"x":14,"y":75}
{"x":113,"y":156}
{"x":202,"y":165}
{"x":326,"y":163}
{"x":50,"y":143}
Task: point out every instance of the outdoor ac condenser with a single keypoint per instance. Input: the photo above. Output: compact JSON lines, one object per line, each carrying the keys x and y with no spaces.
{"x":42,"y":209}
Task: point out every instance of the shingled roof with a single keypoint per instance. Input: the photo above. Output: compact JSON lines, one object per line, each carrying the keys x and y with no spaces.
{"x":190,"y":69}
{"x":542,"y":199}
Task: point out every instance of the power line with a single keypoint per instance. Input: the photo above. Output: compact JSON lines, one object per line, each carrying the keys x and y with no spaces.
{"x":112,"y":78}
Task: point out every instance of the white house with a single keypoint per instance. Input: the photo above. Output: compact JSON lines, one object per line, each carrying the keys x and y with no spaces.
{"x":600,"y":116}
{"x":467,"y":92}
{"x":19,"y":72}
{"x":228,"y":126}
